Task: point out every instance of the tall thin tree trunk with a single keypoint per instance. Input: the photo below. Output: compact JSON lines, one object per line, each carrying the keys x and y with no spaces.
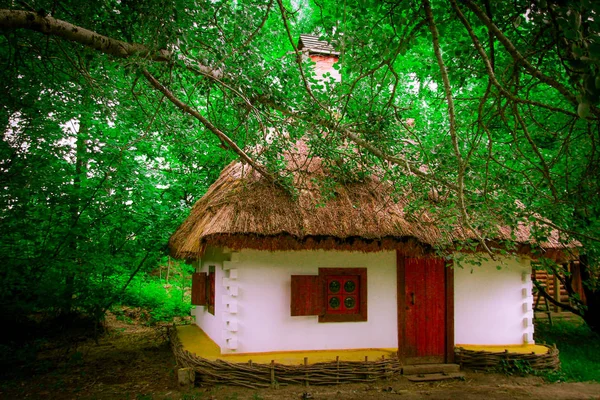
{"x":75,"y":209}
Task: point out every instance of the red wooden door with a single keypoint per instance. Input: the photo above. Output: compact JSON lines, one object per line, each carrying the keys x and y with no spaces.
{"x":422,"y":310}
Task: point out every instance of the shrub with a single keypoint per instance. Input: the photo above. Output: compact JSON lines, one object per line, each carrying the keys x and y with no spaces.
{"x":161,"y":299}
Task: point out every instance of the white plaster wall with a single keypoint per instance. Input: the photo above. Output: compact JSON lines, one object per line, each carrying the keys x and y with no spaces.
{"x":212,"y":325}
{"x":263,"y":302}
{"x":493,"y":306}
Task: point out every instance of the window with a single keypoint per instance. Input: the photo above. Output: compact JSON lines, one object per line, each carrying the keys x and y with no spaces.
{"x":335,"y":295}
{"x":203,"y":289}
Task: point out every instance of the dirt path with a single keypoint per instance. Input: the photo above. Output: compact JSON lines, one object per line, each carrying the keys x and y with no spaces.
{"x":135,"y":362}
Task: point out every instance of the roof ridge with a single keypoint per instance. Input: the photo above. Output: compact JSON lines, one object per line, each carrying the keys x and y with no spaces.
{"x":314,"y":45}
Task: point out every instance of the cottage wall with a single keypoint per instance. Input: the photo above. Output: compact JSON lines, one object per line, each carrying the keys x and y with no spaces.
{"x":493,"y":302}
{"x":253,"y":303}
{"x":211,"y":324}
{"x":253,"y":292}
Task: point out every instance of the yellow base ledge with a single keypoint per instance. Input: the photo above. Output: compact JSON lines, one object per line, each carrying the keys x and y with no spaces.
{"x":197,"y":342}
{"x":516,"y":348}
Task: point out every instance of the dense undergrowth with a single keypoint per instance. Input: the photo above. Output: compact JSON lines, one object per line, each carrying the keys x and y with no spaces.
{"x":160,"y":300}
{"x":579,"y":350}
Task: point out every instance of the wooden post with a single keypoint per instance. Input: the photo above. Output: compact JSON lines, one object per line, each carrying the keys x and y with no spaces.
{"x":306,"y":371}
{"x":186,"y":377}
{"x":548,"y":311}
{"x":168,"y":270}
{"x":273,"y":374}
{"x":386,"y":372}
{"x":556,"y":292}
{"x":337,"y":374}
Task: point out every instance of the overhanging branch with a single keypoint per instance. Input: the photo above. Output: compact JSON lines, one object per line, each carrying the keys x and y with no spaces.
{"x":516,"y":55}
{"x":18,"y":19}
{"x":208,"y":125}
{"x":552,"y":300}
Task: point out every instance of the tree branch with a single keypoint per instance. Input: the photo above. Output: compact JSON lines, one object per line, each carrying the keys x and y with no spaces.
{"x":516,"y":55}
{"x":490,"y":68}
{"x":551,"y":299}
{"x":18,"y":19}
{"x":353,"y":136}
{"x":208,"y":125}
{"x":453,"y":134}
{"x":298,"y":56}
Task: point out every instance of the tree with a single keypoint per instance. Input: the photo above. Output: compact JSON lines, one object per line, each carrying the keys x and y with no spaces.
{"x":504,"y":95}
{"x":91,"y":186}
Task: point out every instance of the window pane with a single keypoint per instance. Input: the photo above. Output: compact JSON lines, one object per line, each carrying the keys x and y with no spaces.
{"x":349,"y":286}
{"x":350,"y":302}
{"x":334,"y":302}
{"x":334,"y":286}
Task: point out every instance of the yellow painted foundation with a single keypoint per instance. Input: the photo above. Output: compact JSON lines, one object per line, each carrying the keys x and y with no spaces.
{"x":196,"y":341}
{"x":520,"y":349}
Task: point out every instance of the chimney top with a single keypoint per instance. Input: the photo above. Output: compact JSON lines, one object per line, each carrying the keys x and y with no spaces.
{"x":313,"y":45}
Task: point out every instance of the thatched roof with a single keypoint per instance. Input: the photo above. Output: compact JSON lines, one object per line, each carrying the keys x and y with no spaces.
{"x":243,"y":210}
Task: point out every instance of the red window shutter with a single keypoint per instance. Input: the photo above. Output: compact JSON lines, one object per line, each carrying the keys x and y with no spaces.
{"x":307,"y":298}
{"x":199,"y":288}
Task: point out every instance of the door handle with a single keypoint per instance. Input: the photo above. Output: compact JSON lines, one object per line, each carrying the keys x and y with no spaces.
{"x":412,"y":298}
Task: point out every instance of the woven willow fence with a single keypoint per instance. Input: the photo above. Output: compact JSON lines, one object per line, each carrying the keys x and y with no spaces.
{"x":486,"y":360}
{"x":254,"y":375}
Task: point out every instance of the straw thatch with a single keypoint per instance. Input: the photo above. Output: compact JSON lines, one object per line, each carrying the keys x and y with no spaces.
{"x":243,"y":210}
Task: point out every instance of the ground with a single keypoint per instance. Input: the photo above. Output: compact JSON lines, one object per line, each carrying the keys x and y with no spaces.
{"x":132,"y":361}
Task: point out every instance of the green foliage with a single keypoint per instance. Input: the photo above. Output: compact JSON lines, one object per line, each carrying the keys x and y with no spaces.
{"x":515,"y":367}
{"x":579,"y":350}
{"x":162,"y":300}
{"x":98,"y":168}
{"x":94,"y":182}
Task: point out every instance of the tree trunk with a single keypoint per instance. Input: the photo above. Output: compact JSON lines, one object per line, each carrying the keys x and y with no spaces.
{"x":592,"y":295}
{"x":74,"y":211}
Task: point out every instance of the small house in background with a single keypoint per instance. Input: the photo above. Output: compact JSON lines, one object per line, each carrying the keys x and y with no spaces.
{"x":322,"y":54}
{"x":304,"y":279}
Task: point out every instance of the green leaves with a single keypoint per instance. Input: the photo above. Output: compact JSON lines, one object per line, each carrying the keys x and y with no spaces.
{"x":99,"y":199}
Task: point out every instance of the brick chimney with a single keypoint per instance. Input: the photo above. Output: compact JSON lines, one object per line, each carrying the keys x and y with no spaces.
{"x":322,"y":53}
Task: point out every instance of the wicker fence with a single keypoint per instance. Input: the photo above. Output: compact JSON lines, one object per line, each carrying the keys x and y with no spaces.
{"x":487,"y":361}
{"x":253,"y":375}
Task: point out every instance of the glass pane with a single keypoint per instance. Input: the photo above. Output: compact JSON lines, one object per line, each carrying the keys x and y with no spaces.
{"x":334,"y":302}
{"x":334,"y":286}
{"x":349,"y":302}
{"x":349,"y":286}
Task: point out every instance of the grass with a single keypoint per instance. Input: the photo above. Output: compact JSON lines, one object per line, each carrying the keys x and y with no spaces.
{"x":579,"y":350}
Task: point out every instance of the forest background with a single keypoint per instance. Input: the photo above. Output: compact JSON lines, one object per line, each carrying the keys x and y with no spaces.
{"x":117,"y":115}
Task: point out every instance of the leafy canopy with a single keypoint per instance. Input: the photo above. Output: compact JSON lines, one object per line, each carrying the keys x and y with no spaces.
{"x":115,"y":118}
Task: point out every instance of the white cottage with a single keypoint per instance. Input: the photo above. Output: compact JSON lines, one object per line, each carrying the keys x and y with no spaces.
{"x":280,"y":274}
